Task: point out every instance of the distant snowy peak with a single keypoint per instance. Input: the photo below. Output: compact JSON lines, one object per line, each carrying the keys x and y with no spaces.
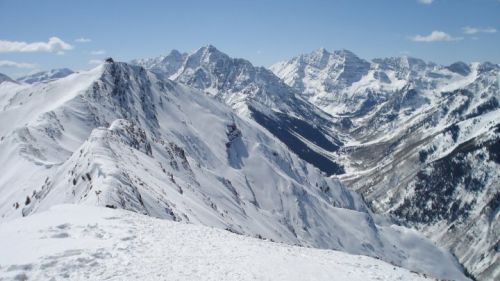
{"x":321,"y":72}
{"x":341,"y":83}
{"x":337,"y":69}
{"x":212,"y":70}
{"x":45,"y":76}
{"x":167,"y":65}
{"x":5,"y":78}
{"x":231,"y":78}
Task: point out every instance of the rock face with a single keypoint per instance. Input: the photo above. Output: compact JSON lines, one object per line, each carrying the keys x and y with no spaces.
{"x":423,"y":143}
{"x":123,"y":137}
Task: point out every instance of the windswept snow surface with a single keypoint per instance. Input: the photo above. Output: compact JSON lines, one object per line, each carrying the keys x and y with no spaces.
{"x":76,"y":242}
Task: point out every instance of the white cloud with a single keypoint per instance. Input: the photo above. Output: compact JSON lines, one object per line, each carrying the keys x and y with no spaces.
{"x":474,"y":30}
{"x":436,"y":35}
{"x":426,"y":2}
{"x":54,"y":45}
{"x":98,"y":52}
{"x":8,"y":63}
{"x":83,"y":40}
{"x":95,"y":61}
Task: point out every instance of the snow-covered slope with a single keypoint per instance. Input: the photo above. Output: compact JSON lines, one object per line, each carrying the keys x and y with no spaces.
{"x":423,"y":142}
{"x":45,"y":76}
{"x":127,"y":138}
{"x":88,"y":243}
{"x":256,"y":93}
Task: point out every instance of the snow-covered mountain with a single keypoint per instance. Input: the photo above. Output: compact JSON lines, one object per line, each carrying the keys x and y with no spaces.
{"x":45,"y":76}
{"x":424,"y":142}
{"x":165,"y":65}
{"x":123,"y":137}
{"x":256,"y":93}
{"x":78,"y":242}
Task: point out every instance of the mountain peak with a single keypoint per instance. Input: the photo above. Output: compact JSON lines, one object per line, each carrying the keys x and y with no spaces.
{"x":111,"y":66}
{"x":174,"y":52}
{"x":322,"y":58}
{"x":210,"y":47}
{"x":210,"y":52}
{"x":321,"y":51}
{"x":335,"y":70}
{"x":346,"y":53}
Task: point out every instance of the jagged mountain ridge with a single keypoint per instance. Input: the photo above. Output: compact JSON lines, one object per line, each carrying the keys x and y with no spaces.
{"x":256,"y":93}
{"x":124,"y":137}
{"x":423,"y":146}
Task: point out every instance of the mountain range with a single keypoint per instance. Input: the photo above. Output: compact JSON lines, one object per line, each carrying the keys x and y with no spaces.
{"x":393,"y":158}
{"x":424,"y":142}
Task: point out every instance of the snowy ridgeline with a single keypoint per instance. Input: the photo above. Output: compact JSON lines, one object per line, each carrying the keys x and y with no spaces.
{"x":121,"y":136}
{"x":76,"y":242}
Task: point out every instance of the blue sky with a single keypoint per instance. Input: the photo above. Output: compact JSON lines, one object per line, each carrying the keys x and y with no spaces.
{"x":262,"y":31}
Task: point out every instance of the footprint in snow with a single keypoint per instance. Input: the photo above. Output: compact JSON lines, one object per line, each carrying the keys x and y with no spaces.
{"x":24,"y":267}
{"x":48,"y":264}
{"x":21,"y":277}
{"x":60,"y":235}
{"x":67,"y":253}
{"x":64,"y":226}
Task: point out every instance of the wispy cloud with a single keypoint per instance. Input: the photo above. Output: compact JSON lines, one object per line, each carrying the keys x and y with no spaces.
{"x":435,"y":36}
{"x":83,"y":40}
{"x":98,"y":52}
{"x":8,"y":63}
{"x":425,"y":2}
{"x":475,"y":30}
{"x":94,"y":62}
{"x":54,"y":45}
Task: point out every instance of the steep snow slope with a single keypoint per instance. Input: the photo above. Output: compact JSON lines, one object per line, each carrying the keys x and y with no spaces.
{"x":255,"y":92}
{"x":45,"y":76}
{"x":121,"y":136}
{"x":424,"y":143}
{"x":88,"y":243}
